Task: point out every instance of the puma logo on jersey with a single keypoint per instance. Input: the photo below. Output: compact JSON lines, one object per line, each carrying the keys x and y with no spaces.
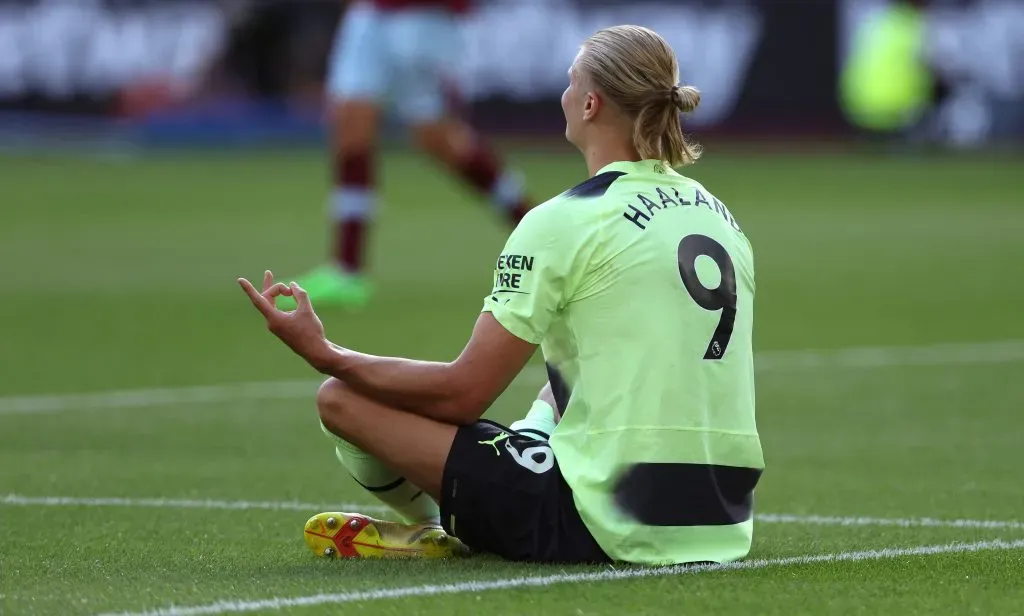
{"x":494,"y":442}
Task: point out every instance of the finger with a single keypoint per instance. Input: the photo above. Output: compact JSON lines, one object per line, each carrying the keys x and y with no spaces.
{"x":301,"y":298}
{"x":258,"y":300}
{"x":268,"y":280}
{"x":277,"y":289}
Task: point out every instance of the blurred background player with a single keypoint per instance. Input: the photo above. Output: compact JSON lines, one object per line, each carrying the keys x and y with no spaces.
{"x":396,"y":55}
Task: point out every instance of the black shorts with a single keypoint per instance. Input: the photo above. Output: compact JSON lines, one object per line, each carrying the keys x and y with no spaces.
{"x":505,"y":495}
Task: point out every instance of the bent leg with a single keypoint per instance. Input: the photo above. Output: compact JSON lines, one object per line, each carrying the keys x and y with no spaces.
{"x":467,"y":154}
{"x":414,"y":447}
{"x":427,"y":46}
{"x":411,"y":504}
{"x":390,"y":453}
{"x":499,"y":491}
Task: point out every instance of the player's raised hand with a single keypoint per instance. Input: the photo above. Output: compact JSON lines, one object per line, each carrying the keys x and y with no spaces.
{"x":300,"y":329}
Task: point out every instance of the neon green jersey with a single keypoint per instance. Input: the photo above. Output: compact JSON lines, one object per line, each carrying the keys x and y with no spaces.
{"x":639,"y":286}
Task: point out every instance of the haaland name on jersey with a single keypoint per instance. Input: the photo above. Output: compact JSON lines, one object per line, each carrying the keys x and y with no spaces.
{"x":637,"y":216}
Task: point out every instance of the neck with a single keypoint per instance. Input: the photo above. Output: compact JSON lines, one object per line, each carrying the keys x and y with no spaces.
{"x":599,"y":157}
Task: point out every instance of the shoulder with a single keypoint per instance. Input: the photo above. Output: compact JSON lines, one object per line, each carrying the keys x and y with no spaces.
{"x":567,"y":217}
{"x":596,"y":186}
{"x":566,"y":205}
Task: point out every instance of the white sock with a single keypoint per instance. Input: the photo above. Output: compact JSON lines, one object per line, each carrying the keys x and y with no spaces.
{"x":413,"y":505}
{"x":508,"y":191}
{"x":349,"y":203}
{"x":539,"y":421}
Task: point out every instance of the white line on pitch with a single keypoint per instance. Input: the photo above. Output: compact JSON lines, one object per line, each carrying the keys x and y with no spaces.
{"x":426,"y":590}
{"x":810,"y":359}
{"x":948,"y":354}
{"x":177,"y":503}
{"x":828,"y":520}
{"x":140,"y":398}
{"x":180,"y":503}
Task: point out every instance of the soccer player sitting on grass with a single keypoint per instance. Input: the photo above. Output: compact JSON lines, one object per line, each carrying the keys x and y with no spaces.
{"x":638,"y":285}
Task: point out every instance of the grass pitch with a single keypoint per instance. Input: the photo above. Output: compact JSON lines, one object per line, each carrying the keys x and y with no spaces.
{"x":141,"y":468}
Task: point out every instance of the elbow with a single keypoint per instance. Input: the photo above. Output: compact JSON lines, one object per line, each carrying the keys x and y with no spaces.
{"x":465,"y":405}
{"x":462,"y":410}
{"x":468,"y":394}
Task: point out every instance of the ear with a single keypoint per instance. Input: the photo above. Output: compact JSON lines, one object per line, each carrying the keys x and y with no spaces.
{"x":591,"y":105}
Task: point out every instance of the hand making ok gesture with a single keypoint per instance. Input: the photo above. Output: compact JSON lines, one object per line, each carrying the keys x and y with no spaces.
{"x":300,"y":329}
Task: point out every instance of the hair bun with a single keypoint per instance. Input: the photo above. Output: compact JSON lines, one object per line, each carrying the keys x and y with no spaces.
{"x":685,"y":98}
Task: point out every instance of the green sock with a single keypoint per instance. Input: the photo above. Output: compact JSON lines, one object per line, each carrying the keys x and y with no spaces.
{"x":539,"y":422}
{"x":411,"y":504}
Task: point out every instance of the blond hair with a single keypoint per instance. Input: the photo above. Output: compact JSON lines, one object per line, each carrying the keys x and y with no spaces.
{"x":638,"y":71}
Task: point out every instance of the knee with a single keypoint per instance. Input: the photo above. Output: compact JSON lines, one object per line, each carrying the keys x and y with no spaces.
{"x":348,"y":140}
{"x":333,"y":400}
{"x":353,"y":162}
{"x":353,"y":127}
{"x":447,"y":141}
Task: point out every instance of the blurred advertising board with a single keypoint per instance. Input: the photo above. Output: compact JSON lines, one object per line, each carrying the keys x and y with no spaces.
{"x":971,"y":50}
{"x":770,"y":67}
{"x":78,"y":55}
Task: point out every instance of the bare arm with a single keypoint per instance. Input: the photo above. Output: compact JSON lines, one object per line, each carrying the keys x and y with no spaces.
{"x":456,"y":392}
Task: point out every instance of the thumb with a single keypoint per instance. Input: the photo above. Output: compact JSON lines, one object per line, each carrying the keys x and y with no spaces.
{"x":301,"y":298}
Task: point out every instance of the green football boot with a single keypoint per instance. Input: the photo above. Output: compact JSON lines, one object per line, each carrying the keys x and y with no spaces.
{"x":329,"y":285}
